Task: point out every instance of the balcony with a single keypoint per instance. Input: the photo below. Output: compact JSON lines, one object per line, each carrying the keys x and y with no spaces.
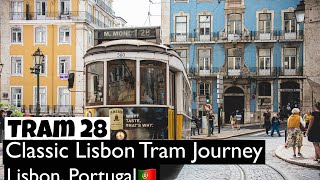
{"x":105,"y":7}
{"x":44,"y":109}
{"x":22,"y":108}
{"x":63,"y":109}
{"x":245,"y":36}
{"x":66,"y":15}
{"x":298,"y":71}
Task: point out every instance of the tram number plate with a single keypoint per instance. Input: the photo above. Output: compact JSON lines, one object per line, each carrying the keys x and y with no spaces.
{"x":121,"y":54}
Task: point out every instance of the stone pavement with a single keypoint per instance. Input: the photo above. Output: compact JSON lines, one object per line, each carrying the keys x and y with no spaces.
{"x":307,"y":151}
{"x":227,"y":132}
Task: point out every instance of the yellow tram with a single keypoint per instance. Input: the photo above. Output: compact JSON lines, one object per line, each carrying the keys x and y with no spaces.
{"x":142,"y":86}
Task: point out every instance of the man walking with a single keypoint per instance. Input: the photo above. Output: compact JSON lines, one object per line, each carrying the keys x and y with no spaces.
{"x":211,"y":118}
{"x":238,"y":117}
{"x":275,"y":124}
{"x":267,"y":123}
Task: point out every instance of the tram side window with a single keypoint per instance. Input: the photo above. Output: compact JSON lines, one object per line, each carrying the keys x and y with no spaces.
{"x":122,"y":82}
{"x":153,"y":86}
{"x":95,"y":83}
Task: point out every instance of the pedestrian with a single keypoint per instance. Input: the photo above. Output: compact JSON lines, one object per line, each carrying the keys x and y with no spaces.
{"x":193,"y":127}
{"x":233,"y":120}
{"x":314,"y":131}
{"x":267,"y":123}
{"x":238,"y":117}
{"x":200,"y":123}
{"x":306,"y":119}
{"x":211,"y":125}
{"x":294,"y":132}
{"x":275,"y":122}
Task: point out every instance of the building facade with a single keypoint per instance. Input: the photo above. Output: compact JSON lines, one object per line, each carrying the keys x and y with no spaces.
{"x":256,"y":46}
{"x":311,"y":86}
{"x":63,"y":30}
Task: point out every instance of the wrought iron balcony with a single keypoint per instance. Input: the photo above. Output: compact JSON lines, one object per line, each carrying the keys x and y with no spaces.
{"x":63,"y":109}
{"x":65,"y":15}
{"x":21,"y":108}
{"x":44,"y":109}
{"x":181,"y":37}
{"x":104,"y":6}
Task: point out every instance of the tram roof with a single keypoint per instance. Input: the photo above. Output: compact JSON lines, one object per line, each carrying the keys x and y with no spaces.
{"x":131,"y":45}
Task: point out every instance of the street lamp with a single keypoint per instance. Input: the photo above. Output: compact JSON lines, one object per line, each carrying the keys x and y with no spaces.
{"x":38,"y":59}
{"x":299,"y":12}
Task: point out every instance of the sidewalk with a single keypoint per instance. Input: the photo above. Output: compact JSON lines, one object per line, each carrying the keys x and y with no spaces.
{"x":228,"y":132}
{"x":307,"y":151}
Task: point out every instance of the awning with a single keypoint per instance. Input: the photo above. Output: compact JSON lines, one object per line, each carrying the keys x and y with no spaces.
{"x":314,"y":85}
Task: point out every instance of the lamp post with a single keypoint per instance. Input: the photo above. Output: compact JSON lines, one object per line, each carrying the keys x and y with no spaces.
{"x":299,"y":12}
{"x":38,"y":59}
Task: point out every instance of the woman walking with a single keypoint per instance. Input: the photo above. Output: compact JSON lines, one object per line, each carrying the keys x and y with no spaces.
{"x":294,"y":132}
{"x":314,"y":131}
{"x":306,"y":119}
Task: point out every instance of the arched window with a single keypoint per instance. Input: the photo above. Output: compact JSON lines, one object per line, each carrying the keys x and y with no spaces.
{"x":204,"y":89}
{"x":264,"y":89}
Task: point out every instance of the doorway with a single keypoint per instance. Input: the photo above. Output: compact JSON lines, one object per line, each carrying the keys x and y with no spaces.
{"x":231,"y":104}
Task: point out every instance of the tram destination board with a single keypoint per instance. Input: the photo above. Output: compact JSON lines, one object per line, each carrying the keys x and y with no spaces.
{"x":127,"y":33}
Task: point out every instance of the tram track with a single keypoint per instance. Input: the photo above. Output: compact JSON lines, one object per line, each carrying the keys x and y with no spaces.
{"x":247,"y":171}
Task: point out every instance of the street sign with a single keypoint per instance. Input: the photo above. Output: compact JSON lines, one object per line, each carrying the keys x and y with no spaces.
{"x":208,"y":107}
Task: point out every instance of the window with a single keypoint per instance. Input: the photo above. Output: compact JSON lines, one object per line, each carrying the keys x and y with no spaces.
{"x":204,"y":89}
{"x":264,"y":58}
{"x":64,"y":65}
{"x":41,"y":7}
{"x":63,"y":96}
{"x":90,"y":9}
{"x":17,"y":9}
{"x":234,"y":59}
{"x":234,"y":24}
{"x":181,"y":27}
{"x":64,"y":35}
{"x":110,"y":23}
{"x":204,"y":59}
{"x":290,"y":58}
{"x":95,"y":83}
{"x":40,"y":34}
{"x":42,"y":96}
{"x":204,"y":25}
{"x":96,"y":15}
{"x":122,"y":82}
{"x":16,"y":35}
{"x":172,"y":84}
{"x":16,"y":96}
{"x":103,"y":19}
{"x":16,"y":65}
{"x":153,"y":82}
{"x":184,"y":57}
{"x":90,"y":38}
{"x":289,"y":22}
{"x":264,"y":89}
{"x":265,"y":22}
{"x":65,"y":7}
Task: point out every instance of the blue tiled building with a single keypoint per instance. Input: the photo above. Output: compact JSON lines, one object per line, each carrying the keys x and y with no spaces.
{"x":256,"y":45}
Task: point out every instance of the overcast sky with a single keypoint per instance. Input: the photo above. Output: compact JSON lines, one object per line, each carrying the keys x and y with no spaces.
{"x":135,"y":12}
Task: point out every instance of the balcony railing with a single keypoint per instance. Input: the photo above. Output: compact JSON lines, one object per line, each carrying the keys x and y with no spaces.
{"x":22,"y":108}
{"x":66,"y":15}
{"x":63,"y":109}
{"x":104,"y":6}
{"x":251,"y":71}
{"x":245,"y":36}
{"x":44,"y":109}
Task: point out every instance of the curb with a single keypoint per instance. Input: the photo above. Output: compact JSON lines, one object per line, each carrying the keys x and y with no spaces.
{"x":294,"y":162}
{"x":229,"y":136}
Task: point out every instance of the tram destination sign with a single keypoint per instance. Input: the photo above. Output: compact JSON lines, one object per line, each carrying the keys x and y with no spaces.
{"x":128,"y":33}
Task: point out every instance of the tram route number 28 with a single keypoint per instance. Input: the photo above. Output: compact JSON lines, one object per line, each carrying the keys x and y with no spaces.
{"x":57,"y":128}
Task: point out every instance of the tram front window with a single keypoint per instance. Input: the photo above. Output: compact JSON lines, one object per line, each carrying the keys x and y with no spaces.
{"x":121,"y":82}
{"x":153,"y":76}
{"x":95,"y":83}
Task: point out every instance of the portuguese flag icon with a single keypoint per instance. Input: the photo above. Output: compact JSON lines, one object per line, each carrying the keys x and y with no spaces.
{"x":148,"y":174}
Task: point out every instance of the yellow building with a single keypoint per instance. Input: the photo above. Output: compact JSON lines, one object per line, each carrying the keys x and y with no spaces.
{"x":63,"y":30}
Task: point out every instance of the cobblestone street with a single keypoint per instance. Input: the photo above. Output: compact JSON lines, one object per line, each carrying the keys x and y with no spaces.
{"x":275,"y":168}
